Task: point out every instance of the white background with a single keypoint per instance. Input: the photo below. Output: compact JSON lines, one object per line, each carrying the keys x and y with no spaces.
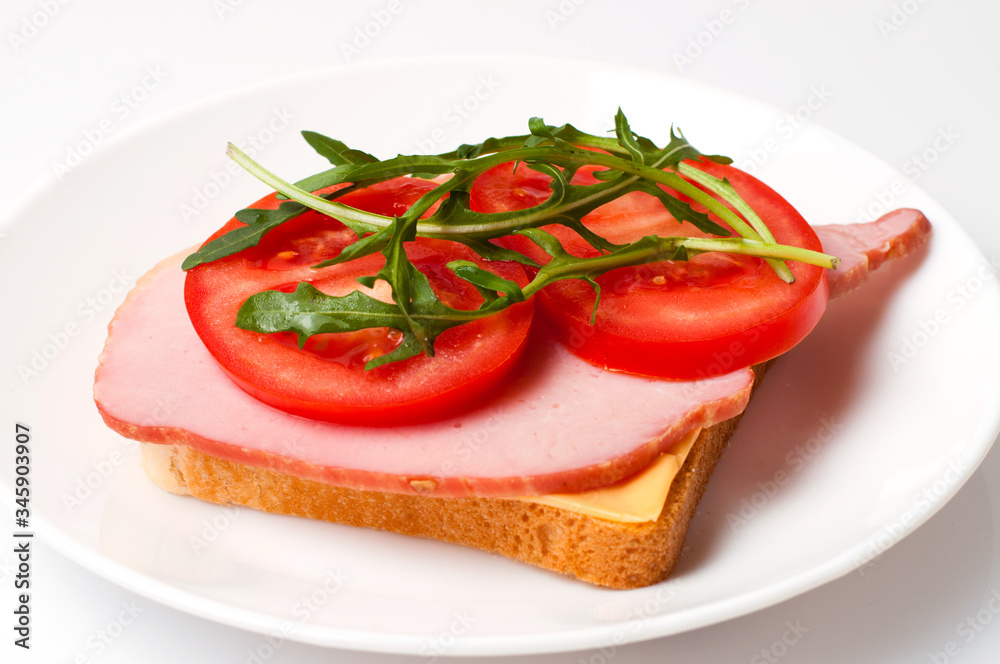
{"x":899,"y":75}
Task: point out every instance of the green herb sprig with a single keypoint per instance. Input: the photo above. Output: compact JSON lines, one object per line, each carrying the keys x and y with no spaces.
{"x":630,"y":163}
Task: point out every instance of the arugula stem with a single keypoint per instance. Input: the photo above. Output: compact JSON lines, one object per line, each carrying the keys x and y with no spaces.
{"x":367,"y":222}
{"x":762,"y":249}
{"x":581,"y":158}
{"x":725,"y":190}
{"x":358,"y":220}
{"x":668,"y":246}
{"x":364,"y":222}
{"x":679,"y":184}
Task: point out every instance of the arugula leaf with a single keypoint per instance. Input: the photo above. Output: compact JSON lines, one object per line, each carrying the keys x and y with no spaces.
{"x":369,"y":244}
{"x":492,"y":252}
{"x":336,"y":151}
{"x":489,"y":285}
{"x":258,"y":222}
{"x":627,"y":139}
{"x":627,"y":163}
{"x":308,"y":311}
{"x":682,"y":211}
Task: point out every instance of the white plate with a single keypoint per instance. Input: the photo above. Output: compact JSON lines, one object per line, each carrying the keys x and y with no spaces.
{"x":845,"y":450}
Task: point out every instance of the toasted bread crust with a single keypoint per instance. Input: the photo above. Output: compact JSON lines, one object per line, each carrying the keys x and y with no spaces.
{"x":602,"y":552}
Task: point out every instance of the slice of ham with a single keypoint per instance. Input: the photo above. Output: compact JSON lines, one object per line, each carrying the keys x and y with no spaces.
{"x":560,"y":425}
{"x":861,"y":248}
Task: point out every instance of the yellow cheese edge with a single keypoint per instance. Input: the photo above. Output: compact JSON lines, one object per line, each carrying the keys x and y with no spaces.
{"x":637,"y":500}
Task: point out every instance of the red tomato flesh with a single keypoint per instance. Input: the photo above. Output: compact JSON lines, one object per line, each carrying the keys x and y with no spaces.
{"x":326,"y":379}
{"x":673,"y":319}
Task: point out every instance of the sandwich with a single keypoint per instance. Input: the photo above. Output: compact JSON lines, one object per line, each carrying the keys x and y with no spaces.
{"x":538,"y":346}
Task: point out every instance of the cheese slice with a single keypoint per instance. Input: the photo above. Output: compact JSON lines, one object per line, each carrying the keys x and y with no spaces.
{"x":635,"y":500}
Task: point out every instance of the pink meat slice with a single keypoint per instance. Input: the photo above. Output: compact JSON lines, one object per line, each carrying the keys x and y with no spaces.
{"x":861,"y":248}
{"x":559,"y":425}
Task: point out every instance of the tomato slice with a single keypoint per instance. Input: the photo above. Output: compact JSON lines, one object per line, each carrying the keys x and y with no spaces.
{"x":673,"y":319}
{"x":326,"y":379}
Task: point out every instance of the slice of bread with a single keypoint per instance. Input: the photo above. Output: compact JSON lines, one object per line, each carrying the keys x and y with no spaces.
{"x":600,"y":551}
